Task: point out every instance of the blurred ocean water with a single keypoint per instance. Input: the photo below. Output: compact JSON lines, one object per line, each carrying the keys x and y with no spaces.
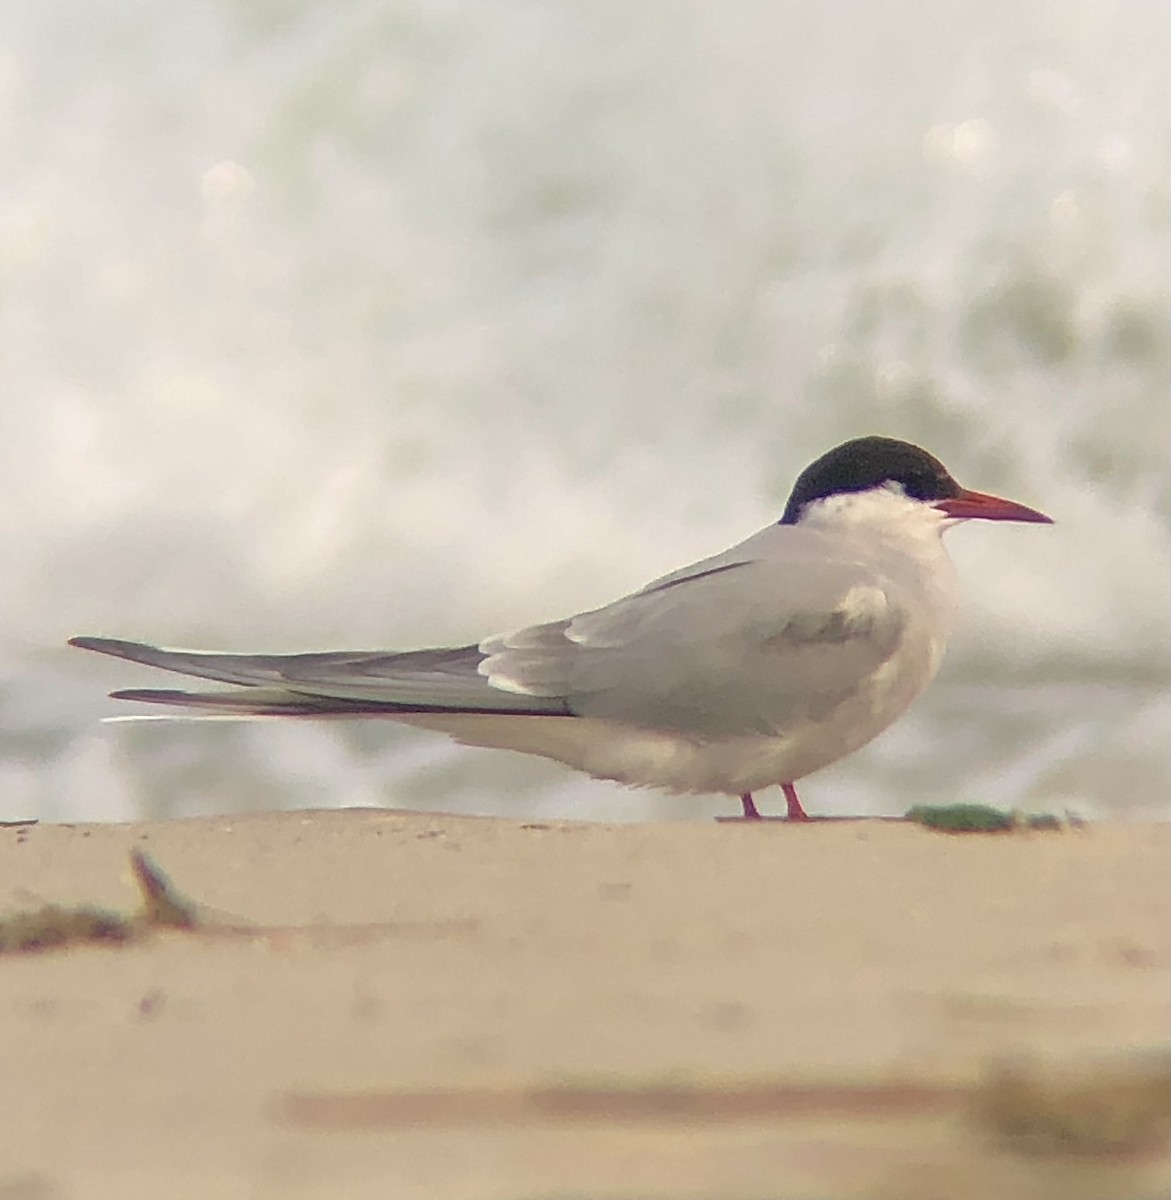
{"x":394,"y":324}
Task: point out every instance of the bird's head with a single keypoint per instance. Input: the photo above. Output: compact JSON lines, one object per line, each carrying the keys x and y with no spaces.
{"x":891,"y":469}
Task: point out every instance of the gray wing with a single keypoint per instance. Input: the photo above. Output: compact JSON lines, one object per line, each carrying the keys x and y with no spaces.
{"x":751,"y":641}
{"x":772,"y":633}
{"x":351,"y":682}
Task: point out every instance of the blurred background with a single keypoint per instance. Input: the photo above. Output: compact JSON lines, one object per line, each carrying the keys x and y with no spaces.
{"x":359,"y":324}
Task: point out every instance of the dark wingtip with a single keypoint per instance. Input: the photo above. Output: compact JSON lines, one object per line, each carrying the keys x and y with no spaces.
{"x":153,"y":696}
{"x":138,"y":652}
{"x":100,"y":644}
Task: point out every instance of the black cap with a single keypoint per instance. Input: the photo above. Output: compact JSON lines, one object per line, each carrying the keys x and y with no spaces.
{"x":866,"y":463}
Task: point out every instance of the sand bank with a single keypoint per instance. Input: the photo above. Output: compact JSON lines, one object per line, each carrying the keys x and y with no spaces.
{"x":391,"y":1004}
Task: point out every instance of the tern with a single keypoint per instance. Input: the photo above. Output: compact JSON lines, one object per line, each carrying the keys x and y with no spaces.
{"x":755,"y":667}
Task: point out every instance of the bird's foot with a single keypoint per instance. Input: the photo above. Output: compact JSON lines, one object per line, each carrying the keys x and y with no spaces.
{"x":794,"y":811}
{"x":750,"y":810}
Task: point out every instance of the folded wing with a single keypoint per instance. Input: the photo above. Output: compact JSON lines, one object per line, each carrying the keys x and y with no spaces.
{"x":749,"y":642}
{"x":755,"y":645}
{"x":343,"y":682}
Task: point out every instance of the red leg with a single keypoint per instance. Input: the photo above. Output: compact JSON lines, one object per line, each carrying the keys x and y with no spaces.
{"x":749,"y":806}
{"x":751,"y":813}
{"x":795,"y":811}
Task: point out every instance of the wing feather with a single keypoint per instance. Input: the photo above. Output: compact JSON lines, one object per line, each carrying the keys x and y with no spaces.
{"x":416,"y":680}
{"x":773,"y":633}
{"x":751,"y":641}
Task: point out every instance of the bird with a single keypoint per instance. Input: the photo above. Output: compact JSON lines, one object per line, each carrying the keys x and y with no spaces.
{"x":755,"y":667}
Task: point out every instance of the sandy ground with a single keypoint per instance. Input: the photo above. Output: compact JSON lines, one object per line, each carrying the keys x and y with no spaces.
{"x":391,"y":1004}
